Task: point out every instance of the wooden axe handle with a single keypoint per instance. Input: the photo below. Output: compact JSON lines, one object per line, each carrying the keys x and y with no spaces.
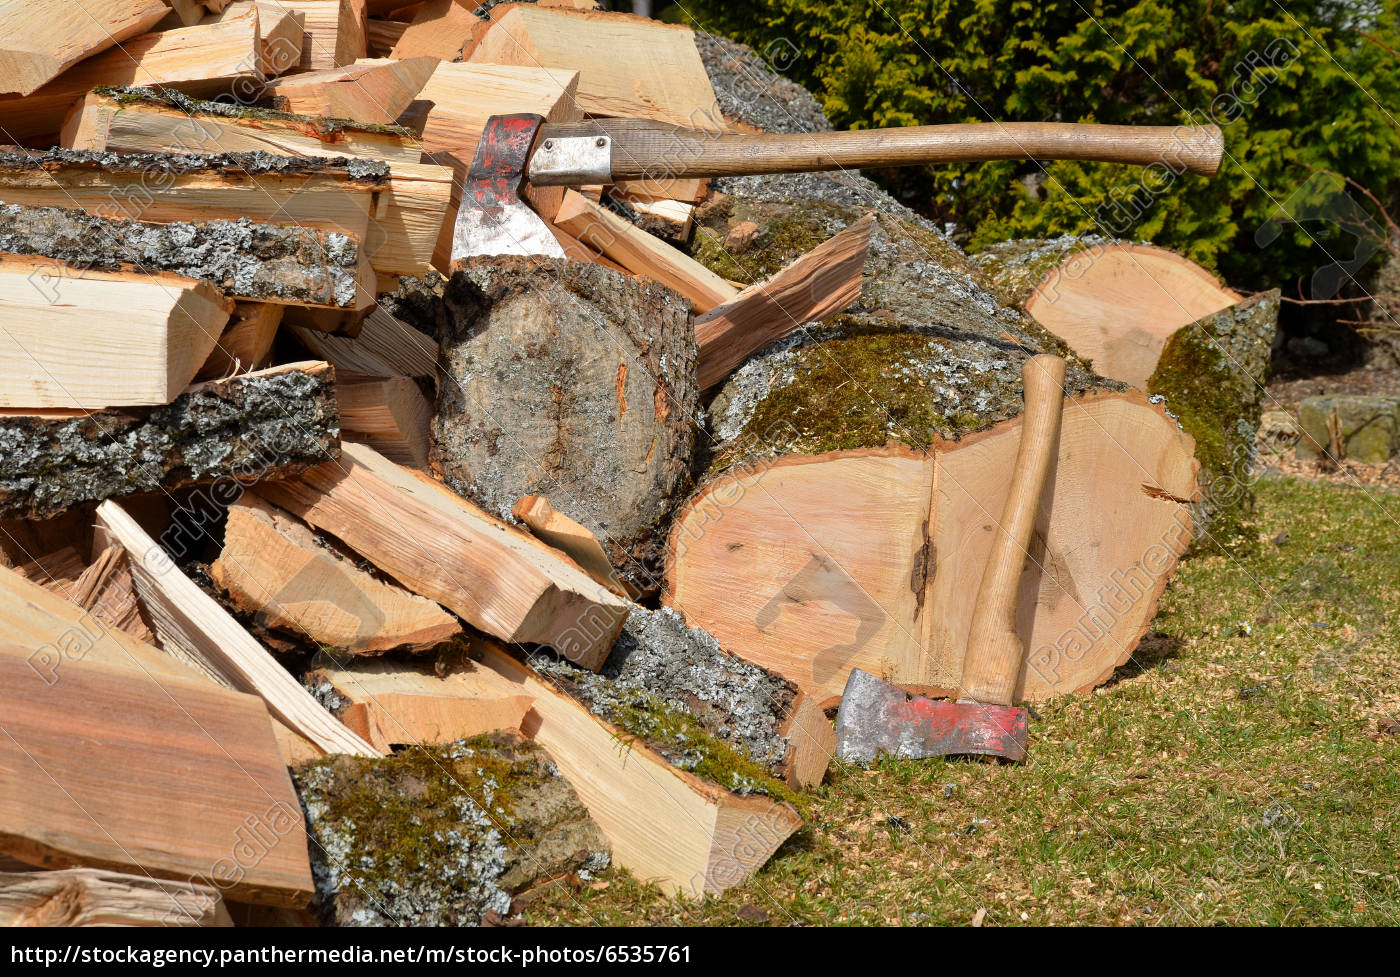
{"x":992,"y":662}
{"x":645,"y":149}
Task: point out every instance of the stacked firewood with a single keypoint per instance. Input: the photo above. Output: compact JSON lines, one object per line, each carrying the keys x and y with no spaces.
{"x":341,"y":582}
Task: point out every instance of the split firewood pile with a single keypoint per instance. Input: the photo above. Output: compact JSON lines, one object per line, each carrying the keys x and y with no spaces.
{"x":353,"y":571}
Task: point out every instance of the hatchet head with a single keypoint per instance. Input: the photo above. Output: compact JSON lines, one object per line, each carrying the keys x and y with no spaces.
{"x":876,"y":717}
{"x":492,"y":219}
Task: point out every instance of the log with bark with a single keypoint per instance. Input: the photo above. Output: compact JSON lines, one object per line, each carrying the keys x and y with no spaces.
{"x":574,"y":382}
{"x":245,"y":260}
{"x":1158,"y":321}
{"x":443,"y":835}
{"x":260,"y":425}
{"x":904,"y":409}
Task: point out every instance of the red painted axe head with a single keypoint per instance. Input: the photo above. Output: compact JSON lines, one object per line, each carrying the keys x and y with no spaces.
{"x":876,"y":717}
{"x":492,"y":219}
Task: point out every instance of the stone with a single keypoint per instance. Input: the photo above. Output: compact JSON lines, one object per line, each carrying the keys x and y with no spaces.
{"x":1369,"y":426}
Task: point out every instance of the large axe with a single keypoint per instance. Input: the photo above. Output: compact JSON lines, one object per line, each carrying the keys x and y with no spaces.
{"x":493,"y":219}
{"x":876,"y":717}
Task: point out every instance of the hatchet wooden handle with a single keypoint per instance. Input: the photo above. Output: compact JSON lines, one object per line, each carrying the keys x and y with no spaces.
{"x":645,"y":149}
{"x":992,"y":661}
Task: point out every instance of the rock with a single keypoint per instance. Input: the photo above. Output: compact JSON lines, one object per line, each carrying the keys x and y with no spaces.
{"x":441,"y":835}
{"x":1278,"y":432}
{"x":741,"y":236}
{"x":1307,"y":347}
{"x":1369,"y":426}
{"x":574,"y":382}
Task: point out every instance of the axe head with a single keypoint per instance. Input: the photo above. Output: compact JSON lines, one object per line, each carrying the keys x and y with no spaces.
{"x":492,"y":218}
{"x":876,"y":717}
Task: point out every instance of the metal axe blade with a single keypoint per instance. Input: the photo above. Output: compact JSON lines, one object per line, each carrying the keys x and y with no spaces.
{"x":876,"y":717}
{"x":492,"y":218}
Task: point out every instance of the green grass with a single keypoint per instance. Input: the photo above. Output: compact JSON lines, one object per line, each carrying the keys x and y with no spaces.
{"x":1235,"y":772}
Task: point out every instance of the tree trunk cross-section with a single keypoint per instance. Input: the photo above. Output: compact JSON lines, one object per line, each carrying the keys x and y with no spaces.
{"x":573,"y":382}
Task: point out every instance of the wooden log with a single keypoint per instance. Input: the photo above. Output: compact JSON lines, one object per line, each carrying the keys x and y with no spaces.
{"x":1113,"y":302}
{"x":263,"y":263}
{"x":628,"y":66}
{"x":176,"y":771}
{"x":665,"y":825}
{"x":700,"y":701}
{"x":92,"y":897}
{"x":324,"y":194}
{"x":493,"y":807}
{"x":682,"y":189}
{"x":104,"y":588}
{"x":390,"y":414}
{"x":207,"y":59}
{"x":281,"y":41}
{"x":393,"y":703}
{"x":144,"y":120}
{"x":442,"y":29}
{"x":454,"y":105}
{"x":813,"y":288}
{"x":335,"y":32}
{"x":41,"y":40}
{"x":273,"y":567}
{"x":369,"y":90}
{"x":253,"y":426}
{"x":641,"y":253}
{"x":413,"y":206}
{"x":61,"y":350}
{"x":187,"y":618}
{"x":246,"y":341}
{"x":598,"y":417}
{"x":446,"y":549}
{"x":385,"y":346}
{"x":1160,"y":322}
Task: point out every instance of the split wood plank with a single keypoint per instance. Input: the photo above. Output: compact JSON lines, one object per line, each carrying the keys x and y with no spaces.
{"x":394,"y":703}
{"x":642,"y":253}
{"x":690,"y":190}
{"x":382,"y":35}
{"x":165,"y":779}
{"x":186,"y":617}
{"x":104,"y":587}
{"x":150,"y":122}
{"x":93,"y":897}
{"x":163,"y":732}
{"x":414,"y":214}
{"x":813,"y":288}
{"x":442,"y":547}
{"x":630,"y":67}
{"x":281,"y":40}
{"x":390,"y":414}
{"x":385,"y":346}
{"x":246,"y":341}
{"x":61,"y":348}
{"x":567,"y":536}
{"x":207,"y":59}
{"x":273,"y":568}
{"x":40,"y":39}
{"x":442,"y":29}
{"x":453,"y":108}
{"x":665,"y":825}
{"x":369,"y":90}
{"x":335,"y":32}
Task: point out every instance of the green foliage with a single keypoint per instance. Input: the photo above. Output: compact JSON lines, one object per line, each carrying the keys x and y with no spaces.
{"x":1295,"y":87}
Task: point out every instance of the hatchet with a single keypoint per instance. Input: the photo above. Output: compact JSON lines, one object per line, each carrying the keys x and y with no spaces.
{"x":493,"y":219}
{"x":876,"y":717}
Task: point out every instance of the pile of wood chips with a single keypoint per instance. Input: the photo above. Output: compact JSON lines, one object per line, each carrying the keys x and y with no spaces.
{"x":278,"y":487}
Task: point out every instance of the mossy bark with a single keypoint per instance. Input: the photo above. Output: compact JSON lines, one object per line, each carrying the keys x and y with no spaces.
{"x":441,"y":835}
{"x":159,"y":165}
{"x":1213,"y":376}
{"x":251,"y":427}
{"x":243,"y":259}
{"x":701,"y":708}
{"x":574,"y":382}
